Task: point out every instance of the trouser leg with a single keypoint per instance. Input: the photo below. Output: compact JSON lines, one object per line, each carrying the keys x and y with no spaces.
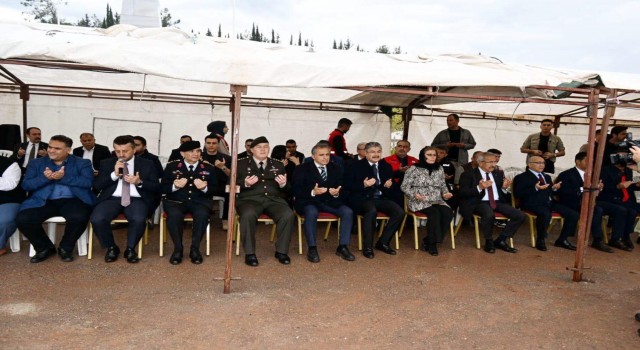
{"x":76,"y":214}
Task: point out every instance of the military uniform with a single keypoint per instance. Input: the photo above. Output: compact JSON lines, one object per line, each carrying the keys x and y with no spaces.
{"x":265,"y":196}
{"x":188,"y":199}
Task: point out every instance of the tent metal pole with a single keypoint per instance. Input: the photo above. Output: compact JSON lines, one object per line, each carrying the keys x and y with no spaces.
{"x":24,"y":95}
{"x":236,"y":98}
{"x":407,"y":114}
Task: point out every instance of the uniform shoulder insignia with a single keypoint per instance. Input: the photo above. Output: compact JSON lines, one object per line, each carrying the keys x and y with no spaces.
{"x":206,"y":162}
{"x":174,"y":161}
{"x":276,"y":160}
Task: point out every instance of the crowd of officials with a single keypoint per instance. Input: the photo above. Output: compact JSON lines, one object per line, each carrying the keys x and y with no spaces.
{"x":93,"y":184}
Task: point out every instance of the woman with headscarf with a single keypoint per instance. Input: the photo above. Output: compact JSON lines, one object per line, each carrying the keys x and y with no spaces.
{"x":426,"y":191}
{"x":219,"y":128}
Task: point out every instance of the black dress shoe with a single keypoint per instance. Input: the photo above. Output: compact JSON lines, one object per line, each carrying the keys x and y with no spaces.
{"x":65,"y":255}
{"x":564,"y":244}
{"x":599,"y":245}
{"x":488,"y":247}
{"x":312,"y":255}
{"x":112,"y":254}
{"x":343,"y":252}
{"x":251,"y":260}
{"x":283,"y":258}
{"x":541,"y":246}
{"x":176,"y":257}
{"x":619,"y":245}
{"x":385,"y":248}
{"x":195,"y":256}
{"x":628,"y":243}
{"x":43,"y":255}
{"x":504,"y":246}
{"x":368,"y":253}
{"x":131,"y":256}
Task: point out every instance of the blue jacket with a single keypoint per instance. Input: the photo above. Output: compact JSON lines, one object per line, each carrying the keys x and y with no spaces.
{"x":78,"y":175}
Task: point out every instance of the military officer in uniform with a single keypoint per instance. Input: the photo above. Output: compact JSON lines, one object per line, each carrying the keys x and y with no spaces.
{"x":263,"y":186}
{"x":189,"y":184}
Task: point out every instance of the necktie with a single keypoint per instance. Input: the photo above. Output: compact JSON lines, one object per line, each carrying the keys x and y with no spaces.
{"x":125,"y":200}
{"x":375,"y":173}
{"x":323,"y":173}
{"x":492,"y":200}
{"x":541,"y":180}
{"x":261,"y":167}
{"x":32,"y":153}
{"x":625,"y":192}
{"x":191,"y":168}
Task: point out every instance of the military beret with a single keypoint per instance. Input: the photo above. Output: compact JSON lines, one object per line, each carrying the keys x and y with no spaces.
{"x":258,"y":141}
{"x":189,"y":145}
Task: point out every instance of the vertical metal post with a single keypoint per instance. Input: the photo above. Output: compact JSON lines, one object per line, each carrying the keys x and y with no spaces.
{"x":24,"y":95}
{"x":407,"y":115}
{"x":236,"y":98}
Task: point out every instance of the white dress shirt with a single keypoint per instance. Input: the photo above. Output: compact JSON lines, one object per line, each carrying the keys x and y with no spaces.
{"x":494,"y":188}
{"x":28,"y":151}
{"x":133,"y":190}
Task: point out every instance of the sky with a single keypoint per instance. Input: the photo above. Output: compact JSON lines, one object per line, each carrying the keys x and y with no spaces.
{"x":588,"y":35}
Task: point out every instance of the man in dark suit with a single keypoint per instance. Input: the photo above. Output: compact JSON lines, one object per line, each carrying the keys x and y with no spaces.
{"x":222,"y":164}
{"x":59,"y":184}
{"x":247,"y":147}
{"x":534,"y":190}
{"x":142,"y":152}
{"x":175,"y":153}
{"x":26,"y":151}
{"x":482,"y":192}
{"x":127,"y":184}
{"x":263,"y":189}
{"x":189,"y":185}
{"x":570,"y":196}
{"x":619,"y":189}
{"x":90,"y":150}
{"x":368,"y":183}
{"x":317,"y":188}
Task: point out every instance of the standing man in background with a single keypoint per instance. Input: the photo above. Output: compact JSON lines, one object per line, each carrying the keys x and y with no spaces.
{"x":457,"y":140}
{"x":26,"y":151}
{"x":337,"y":141}
{"x":92,"y":151}
{"x":544,"y":144}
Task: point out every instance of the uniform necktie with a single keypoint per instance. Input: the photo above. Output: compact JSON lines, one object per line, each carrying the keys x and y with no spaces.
{"x":323,"y":173}
{"x":541,"y":180}
{"x":125,"y":199}
{"x":492,"y":200}
{"x":625,"y":192}
{"x":191,"y":168}
{"x":261,"y":167}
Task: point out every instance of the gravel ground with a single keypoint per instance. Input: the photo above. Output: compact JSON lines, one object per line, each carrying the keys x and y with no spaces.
{"x":462,"y":299}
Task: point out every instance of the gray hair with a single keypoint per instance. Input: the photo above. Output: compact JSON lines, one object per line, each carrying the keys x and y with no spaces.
{"x":318,"y":146}
{"x":484,"y":155}
{"x":372,"y":144}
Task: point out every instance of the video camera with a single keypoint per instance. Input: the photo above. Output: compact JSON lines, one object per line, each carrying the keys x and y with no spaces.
{"x":624,"y":146}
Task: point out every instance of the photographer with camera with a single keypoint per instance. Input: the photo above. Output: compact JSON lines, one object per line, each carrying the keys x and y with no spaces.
{"x":619,"y":189}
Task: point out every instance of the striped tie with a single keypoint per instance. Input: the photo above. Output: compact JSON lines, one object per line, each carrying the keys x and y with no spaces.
{"x":323,"y":173}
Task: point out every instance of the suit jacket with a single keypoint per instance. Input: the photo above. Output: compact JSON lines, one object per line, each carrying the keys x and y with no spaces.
{"x":24,"y":145}
{"x":266,"y":185}
{"x":611,"y":177}
{"x":221,"y":177}
{"x":524,"y":188}
{"x":153,"y":158}
{"x":78,"y":176}
{"x":569,"y":193}
{"x":354,"y":178}
{"x":306,"y":176}
{"x":148,"y":174}
{"x":100,"y":153}
{"x":469,"y":195}
{"x":175,"y":155}
{"x":189,"y":193}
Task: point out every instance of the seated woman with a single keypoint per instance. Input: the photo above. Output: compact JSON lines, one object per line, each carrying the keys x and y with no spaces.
{"x":426,"y":190}
{"x":11,"y":195}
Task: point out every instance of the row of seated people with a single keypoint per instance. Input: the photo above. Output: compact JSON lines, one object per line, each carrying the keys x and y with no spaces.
{"x":61,"y":185}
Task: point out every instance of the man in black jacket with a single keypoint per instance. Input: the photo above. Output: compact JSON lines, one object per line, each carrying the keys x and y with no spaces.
{"x":222,"y":166}
{"x":482,"y":192}
{"x":189,"y":185}
{"x":129,"y":185}
{"x":34,"y":148}
{"x":317,"y":188}
{"x":368,"y":182}
{"x":92,"y":151}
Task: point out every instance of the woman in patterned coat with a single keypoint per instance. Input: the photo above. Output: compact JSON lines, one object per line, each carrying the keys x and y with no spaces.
{"x":426,"y":192}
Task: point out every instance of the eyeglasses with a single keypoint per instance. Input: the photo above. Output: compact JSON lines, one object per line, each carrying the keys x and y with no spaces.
{"x":536,"y":162}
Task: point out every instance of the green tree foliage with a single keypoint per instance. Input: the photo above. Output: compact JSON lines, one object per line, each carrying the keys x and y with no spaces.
{"x":397,"y":50}
{"x":299,"y":39}
{"x":209,"y":32}
{"x":166,"y":20}
{"x":45,"y":11}
{"x":335,"y":45}
{"x":219,"y":30}
{"x":382,"y":49}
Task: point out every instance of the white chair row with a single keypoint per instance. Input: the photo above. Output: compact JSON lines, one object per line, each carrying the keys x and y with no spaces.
{"x":14,"y":240}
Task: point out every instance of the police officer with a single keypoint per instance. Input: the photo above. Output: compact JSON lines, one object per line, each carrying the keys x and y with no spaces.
{"x":189,"y":184}
{"x":263,"y":188}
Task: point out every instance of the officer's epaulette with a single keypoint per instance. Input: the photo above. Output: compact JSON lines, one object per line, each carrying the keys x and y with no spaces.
{"x":174,"y":161}
{"x":243,"y":158}
{"x":207,"y":162}
{"x":276,"y":160}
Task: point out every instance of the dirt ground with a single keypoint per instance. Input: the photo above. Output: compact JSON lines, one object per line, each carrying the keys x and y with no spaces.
{"x":462,"y":299}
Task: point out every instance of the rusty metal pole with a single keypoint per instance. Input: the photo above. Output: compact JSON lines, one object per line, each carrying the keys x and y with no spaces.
{"x":407,"y":115}
{"x":24,"y":95}
{"x":236,"y":98}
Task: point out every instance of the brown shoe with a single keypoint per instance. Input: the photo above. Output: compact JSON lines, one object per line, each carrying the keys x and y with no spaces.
{"x":3,"y":251}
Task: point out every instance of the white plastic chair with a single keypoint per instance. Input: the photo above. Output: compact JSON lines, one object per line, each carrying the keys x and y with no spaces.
{"x":220,"y":201}
{"x":51,"y":232}
{"x":14,"y":241}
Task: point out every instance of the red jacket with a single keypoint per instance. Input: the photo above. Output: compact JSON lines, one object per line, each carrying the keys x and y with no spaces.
{"x":396,"y":165}
{"x":338,"y":148}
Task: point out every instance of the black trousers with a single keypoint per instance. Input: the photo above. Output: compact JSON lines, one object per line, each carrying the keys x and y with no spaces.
{"x":619,"y":215}
{"x":369,"y":209}
{"x":440,"y":217}
{"x":109,"y":209}
{"x":175,"y":221}
{"x":73,"y":210}
{"x":543,"y":217}
{"x":516,"y":218}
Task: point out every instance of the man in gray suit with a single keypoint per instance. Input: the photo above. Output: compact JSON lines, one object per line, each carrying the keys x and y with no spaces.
{"x":263,"y":188}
